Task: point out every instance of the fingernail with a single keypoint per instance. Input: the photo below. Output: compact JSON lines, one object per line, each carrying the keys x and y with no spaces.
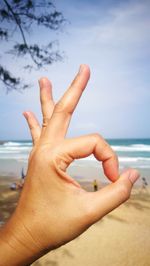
{"x":26,"y":114}
{"x":133,"y":176}
{"x":81,"y":69}
{"x":41,"y":82}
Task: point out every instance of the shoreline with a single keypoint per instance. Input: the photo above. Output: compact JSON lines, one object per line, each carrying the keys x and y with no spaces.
{"x":81,"y":170}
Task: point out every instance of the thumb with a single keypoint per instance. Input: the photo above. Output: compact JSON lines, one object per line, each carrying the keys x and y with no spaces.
{"x":111,"y":196}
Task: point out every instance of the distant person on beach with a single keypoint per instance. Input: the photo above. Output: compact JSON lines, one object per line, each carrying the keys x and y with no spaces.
{"x":53,"y":209}
{"x":13,"y":186}
{"x":16,"y":186}
{"x":144,"y":184}
{"x":95,"y":185}
{"x":22,"y":174}
{"x":22,"y":177}
{"x":19,"y":184}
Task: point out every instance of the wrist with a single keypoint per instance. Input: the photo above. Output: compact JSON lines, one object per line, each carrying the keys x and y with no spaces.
{"x":16,"y":244}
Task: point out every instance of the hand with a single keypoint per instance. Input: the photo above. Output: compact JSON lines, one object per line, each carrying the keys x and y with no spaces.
{"x":53,"y":209}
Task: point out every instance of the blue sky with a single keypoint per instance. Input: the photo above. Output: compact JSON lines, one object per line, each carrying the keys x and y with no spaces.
{"x":113,"y":38}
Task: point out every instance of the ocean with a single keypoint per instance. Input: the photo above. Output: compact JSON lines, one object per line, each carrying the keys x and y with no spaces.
{"x":134,"y":153}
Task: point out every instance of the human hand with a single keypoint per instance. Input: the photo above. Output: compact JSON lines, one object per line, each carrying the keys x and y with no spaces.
{"x":53,"y":209}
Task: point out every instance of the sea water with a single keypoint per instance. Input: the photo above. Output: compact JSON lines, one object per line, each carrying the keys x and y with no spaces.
{"x":134,"y":153}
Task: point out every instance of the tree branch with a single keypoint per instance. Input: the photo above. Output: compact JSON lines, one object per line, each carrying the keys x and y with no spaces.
{"x":16,"y":17}
{"x":20,"y":16}
{"x":11,"y":82}
{"x":3,"y":34}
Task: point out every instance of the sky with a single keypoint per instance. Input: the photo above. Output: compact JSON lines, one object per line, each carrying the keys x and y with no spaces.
{"x":113,"y":38}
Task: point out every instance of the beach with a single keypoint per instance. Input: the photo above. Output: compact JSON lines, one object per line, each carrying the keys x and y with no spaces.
{"x":120,"y":238}
{"x":8,"y":198}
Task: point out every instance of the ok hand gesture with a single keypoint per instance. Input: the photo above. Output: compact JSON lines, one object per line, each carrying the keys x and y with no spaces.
{"x":53,"y":209}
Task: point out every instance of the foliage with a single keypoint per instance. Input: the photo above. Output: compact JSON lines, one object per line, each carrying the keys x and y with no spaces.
{"x":19,"y":18}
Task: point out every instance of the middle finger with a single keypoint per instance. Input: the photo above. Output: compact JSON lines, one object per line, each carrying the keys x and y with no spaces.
{"x":63,"y":110}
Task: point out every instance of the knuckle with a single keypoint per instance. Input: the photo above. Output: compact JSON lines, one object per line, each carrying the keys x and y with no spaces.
{"x":106,"y":146}
{"x":62,"y":108}
{"x":97,"y":137}
{"x":32,"y":127}
{"x":124,"y":191}
{"x":59,"y":107}
{"x":114,"y":156}
{"x":53,"y":160}
{"x":38,"y":155}
{"x":35,"y":155}
{"x":45,"y":121}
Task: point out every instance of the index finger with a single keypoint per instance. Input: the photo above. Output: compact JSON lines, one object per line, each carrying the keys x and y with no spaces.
{"x":84,"y":146}
{"x":63,"y":110}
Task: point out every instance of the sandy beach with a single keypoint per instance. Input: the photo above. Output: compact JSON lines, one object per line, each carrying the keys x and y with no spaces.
{"x":120,"y":238}
{"x":8,"y":198}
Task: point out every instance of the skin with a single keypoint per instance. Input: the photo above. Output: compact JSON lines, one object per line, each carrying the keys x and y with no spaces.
{"x":53,"y":209}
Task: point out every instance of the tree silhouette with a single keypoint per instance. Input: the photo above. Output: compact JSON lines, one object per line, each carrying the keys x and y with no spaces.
{"x":17,"y":19}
